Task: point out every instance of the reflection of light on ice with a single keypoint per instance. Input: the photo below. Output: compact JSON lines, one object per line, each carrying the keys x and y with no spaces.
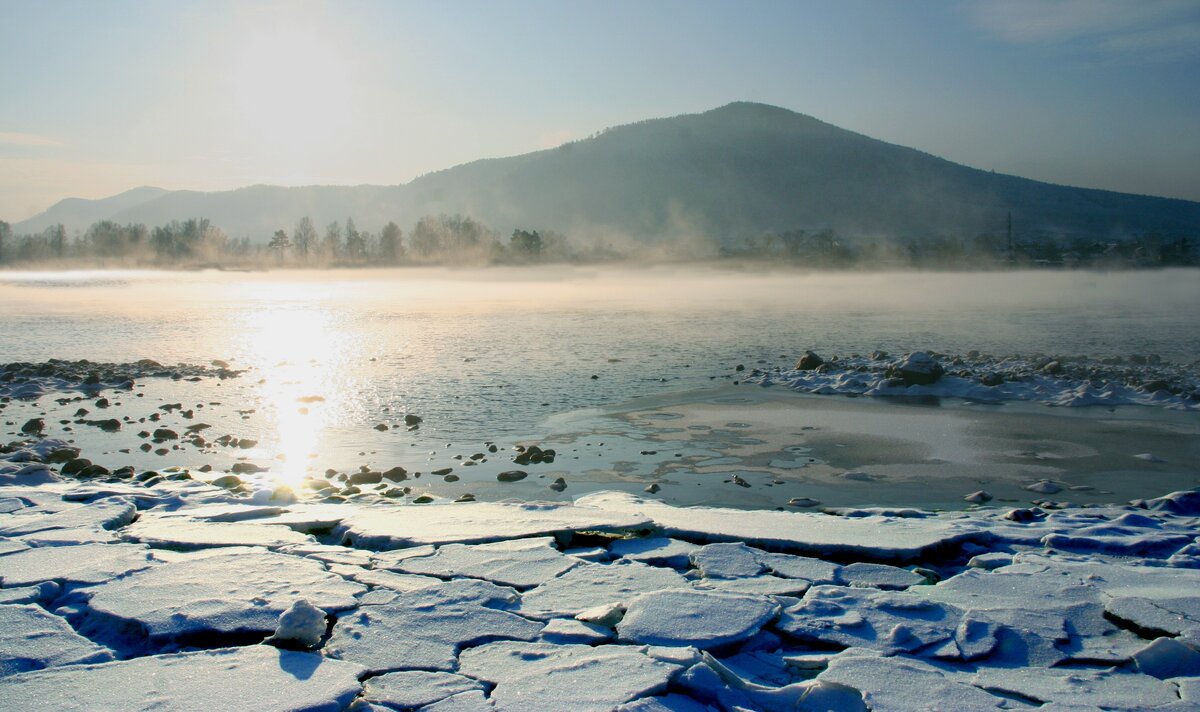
{"x":297,"y":353}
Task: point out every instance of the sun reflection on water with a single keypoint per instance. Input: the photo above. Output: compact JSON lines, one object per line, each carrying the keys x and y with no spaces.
{"x":297,"y":353}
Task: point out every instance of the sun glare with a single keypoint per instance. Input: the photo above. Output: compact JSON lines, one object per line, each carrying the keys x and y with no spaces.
{"x":297,"y":354}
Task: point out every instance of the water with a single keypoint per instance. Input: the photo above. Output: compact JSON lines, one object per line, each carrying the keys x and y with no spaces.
{"x":504,"y":355}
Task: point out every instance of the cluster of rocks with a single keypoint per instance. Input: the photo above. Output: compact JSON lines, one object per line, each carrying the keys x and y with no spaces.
{"x":22,"y":379}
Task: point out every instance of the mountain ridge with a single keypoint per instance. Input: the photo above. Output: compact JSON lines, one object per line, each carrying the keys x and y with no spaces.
{"x":729,"y":173}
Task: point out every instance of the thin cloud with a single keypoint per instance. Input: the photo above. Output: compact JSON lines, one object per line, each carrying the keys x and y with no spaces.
{"x":1160,"y":27}
{"x":10,"y":138}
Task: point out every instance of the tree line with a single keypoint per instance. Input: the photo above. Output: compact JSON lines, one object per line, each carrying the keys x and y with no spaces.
{"x":458,"y":239}
{"x":434,"y":239}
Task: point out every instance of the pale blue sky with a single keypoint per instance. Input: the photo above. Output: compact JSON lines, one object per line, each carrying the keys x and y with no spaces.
{"x":100,"y":96}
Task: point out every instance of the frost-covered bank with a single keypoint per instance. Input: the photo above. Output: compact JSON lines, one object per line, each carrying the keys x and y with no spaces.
{"x":1061,"y":380}
{"x":119,"y":595}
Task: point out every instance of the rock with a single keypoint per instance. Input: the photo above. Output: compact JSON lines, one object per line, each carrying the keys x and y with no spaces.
{"x":1044,"y":487}
{"x":558,"y":485}
{"x":991,"y":379}
{"x":227,"y":481}
{"x":411,"y":419}
{"x":1024,"y":515}
{"x":442,"y":472}
{"x":809,"y":361}
{"x":980,"y":497}
{"x":302,"y":623}
{"x":652,"y":488}
{"x":381,"y":427}
{"x":917,"y":369}
{"x":396,"y":474}
{"x":365,"y":478}
{"x":1053,"y":368}
{"x":804,"y":502}
{"x":161,"y":434}
{"x":243,"y":468}
{"x":512,"y":476}
{"x":74,"y":467}
{"x":34,"y":426}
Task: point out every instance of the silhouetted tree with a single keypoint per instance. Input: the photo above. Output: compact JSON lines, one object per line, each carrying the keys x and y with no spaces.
{"x":355,"y":244}
{"x":280,"y":243}
{"x":332,"y":246}
{"x":5,"y":238}
{"x":426,"y":237}
{"x":391,"y":247}
{"x":526,"y":244}
{"x":304,"y":237}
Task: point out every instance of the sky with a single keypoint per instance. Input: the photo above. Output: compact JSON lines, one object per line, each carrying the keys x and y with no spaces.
{"x":100,"y":96}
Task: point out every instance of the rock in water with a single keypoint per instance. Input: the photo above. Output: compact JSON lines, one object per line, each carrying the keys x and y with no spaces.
{"x":809,"y":361}
{"x":917,"y":369}
{"x":302,"y":623}
{"x":979,"y":497}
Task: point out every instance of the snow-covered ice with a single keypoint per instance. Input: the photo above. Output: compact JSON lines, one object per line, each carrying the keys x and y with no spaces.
{"x":254,"y":677}
{"x":474,"y":606}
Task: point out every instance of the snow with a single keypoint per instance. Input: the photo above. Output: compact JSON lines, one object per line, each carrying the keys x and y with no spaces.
{"x":566,"y":630}
{"x":592,"y":585}
{"x":1085,"y":382}
{"x":34,"y":639}
{"x":420,"y":631}
{"x":877,"y":537}
{"x":879,"y":576}
{"x":536,"y":677}
{"x":727,"y":561}
{"x":232,"y":592}
{"x":410,"y":689}
{"x":700,"y":619}
{"x":301,"y":623}
{"x":900,"y":684}
{"x":886,"y":621}
{"x":1166,"y":658}
{"x":656,"y":551}
{"x":259,"y":678}
{"x":522,"y":563}
{"x":176,"y":533}
{"x":86,"y":564}
{"x":475,"y":522}
{"x":475,"y":607}
{"x":105,"y":514}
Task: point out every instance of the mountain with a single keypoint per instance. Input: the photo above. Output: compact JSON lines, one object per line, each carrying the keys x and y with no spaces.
{"x":729,"y":173}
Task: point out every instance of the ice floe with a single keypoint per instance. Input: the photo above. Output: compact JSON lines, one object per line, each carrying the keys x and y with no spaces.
{"x":254,"y":677}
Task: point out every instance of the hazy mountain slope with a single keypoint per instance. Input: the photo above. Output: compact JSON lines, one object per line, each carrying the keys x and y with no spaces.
{"x":74,"y":212}
{"x":728,"y":173}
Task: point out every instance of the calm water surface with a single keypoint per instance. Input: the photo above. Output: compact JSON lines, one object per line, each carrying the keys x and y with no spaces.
{"x":488,"y":355}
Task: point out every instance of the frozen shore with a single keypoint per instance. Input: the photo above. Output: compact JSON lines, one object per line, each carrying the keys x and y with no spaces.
{"x":174,"y":593}
{"x":1053,"y":380}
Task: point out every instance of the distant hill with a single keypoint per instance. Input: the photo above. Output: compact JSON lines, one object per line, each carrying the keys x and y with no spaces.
{"x":727,"y":174}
